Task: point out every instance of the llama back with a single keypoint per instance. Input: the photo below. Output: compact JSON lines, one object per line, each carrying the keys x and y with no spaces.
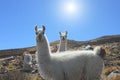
{"x":73,"y":63}
{"x":80,"y":64}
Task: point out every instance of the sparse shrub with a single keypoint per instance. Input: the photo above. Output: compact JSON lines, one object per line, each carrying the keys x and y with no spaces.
{"x":115,"y":51}
{"x":112,"y":54}
{"x":11,"y":67}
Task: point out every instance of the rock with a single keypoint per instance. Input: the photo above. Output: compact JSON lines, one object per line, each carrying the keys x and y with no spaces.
{"x":113,"y":74}
{"x":118,"y":57}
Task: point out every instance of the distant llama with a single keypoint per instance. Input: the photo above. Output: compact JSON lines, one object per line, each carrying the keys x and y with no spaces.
{"x":88,"y":47}
{"x":69,"y":65}
{"x":63,"y":41}
{"x":27,"y":63}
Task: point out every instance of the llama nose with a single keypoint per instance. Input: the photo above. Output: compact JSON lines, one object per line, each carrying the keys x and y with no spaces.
{"x":40,"y":37}
{"x":63,"y":38}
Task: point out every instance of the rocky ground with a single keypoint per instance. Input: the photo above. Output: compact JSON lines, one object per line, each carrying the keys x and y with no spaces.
{"x":11,"y":60}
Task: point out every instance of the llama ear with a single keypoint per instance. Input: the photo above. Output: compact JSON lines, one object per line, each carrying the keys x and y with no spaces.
{"x":66,"y":32}
{"x":43,"y":28}
{"x":36,"y":29}
{"x":60,"y":33}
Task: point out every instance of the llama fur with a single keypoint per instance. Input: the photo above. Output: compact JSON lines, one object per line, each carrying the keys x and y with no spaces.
{"x":88,"y":47}
{"x":68,"y":65}
{"x":63,"y":41}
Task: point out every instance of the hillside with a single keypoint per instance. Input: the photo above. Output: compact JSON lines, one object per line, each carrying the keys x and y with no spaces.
{"x":112,"y":59}
{"x":14,"y":52}
{"x":72,"y":44}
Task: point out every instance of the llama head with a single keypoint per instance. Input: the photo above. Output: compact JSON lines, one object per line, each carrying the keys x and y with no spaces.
{"x":100,"y":51}
{"x":40,"y":33}
{"x":63,"y":36}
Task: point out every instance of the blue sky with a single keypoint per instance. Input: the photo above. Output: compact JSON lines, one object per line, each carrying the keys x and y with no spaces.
{"x":92,"y":19}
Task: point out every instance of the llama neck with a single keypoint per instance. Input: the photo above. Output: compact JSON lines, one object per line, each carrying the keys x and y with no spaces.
{"x":62,"y":46}
{"x":43,"y":49}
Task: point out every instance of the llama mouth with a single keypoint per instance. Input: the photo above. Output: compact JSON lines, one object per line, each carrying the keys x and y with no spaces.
{"x":63,"y":39}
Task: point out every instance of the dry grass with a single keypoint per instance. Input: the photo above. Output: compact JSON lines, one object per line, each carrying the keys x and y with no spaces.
{"x":11,"y":67}
{"x":37,"y":78}
{"x":15,"y":75}
{"x":108,"y":70}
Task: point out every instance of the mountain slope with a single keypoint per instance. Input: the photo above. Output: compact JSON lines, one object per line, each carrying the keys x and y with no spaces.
{"x":71,"y":45}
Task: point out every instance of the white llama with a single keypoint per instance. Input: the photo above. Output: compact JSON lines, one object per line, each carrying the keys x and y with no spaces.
{"x":27,"y":63}
{"x":88,"y":47}
{"x":69,"y":65}
{"x":63,"y":41}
